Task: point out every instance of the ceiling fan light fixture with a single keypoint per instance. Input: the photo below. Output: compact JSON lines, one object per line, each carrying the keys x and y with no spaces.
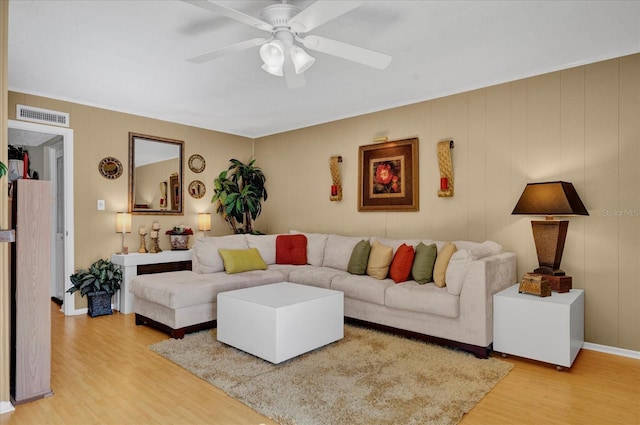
{"x":272,"y":53}
{"x":273,"y":70}
{"x":301,"y":59}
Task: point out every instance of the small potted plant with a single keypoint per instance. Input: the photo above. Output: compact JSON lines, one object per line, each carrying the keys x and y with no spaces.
{"x":179,"y":237}
{"x":99,"y":283}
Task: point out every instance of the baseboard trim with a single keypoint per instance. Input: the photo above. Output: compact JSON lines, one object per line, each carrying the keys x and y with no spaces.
{"x":612,"y":350}
{"x":6,"y":407}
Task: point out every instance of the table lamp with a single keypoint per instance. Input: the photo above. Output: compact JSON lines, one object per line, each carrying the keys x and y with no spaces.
{"x":123,"y":225}
{"x":549,"y":199}
{"x":204,"y":222}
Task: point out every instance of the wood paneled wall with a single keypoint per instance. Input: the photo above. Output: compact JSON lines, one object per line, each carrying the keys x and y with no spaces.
{"x":579,"y":125}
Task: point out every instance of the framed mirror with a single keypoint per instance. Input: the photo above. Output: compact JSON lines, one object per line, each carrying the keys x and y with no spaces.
{"x":155,"y":175}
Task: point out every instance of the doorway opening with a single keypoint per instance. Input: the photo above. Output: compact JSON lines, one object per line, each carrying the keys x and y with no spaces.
{"x":52,"y":148}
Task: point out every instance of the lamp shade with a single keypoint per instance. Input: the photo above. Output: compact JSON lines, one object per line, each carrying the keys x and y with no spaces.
{"x":301,"y":59}
{"x":550,"y":198}
{"x":272,"y":53}
{"x":123,"y":222}
{"x":273,"y":70}
{"x":204,"y":222}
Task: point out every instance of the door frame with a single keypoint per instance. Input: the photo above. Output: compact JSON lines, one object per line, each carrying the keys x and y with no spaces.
{"x":68,"y":305}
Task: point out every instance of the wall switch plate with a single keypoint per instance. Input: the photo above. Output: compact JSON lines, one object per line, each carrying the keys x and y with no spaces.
{"x":100,"y":204}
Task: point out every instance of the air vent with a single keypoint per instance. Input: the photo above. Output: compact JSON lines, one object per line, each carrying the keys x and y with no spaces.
{"x":42,"y":116}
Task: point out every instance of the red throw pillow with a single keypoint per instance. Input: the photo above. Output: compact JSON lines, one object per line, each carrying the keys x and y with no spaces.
{"x":401,"y":264}
{"x":291,"y":249}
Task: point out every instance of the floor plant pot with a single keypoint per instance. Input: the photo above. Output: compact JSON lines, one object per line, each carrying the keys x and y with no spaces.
{"x":179,"y":242}
{"x":99,"y":304}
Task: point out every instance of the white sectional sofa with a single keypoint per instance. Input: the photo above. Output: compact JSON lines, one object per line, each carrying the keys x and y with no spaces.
{"x":459,"y":314}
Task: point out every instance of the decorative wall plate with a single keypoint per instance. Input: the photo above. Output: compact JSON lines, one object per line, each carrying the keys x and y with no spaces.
{"x":196,"y":163}
{"x":110,"y":168}
{"x":197,"y":189}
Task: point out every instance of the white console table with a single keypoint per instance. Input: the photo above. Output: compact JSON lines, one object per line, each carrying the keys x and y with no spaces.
{"x":135,"y":263}
{"x":548,"y":329}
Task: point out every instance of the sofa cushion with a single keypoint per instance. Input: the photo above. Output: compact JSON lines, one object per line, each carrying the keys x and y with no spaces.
{"x":291,"y":249}
{"x":316,"y":243}
{"x":400,"y":268}
{"x":359,"y":258}
{"x":457,"y":270}
{"x":314,"y":276}
{"x":364,"y":288}
{"x":206,"y":251}
{"x":423,"y":299}
{"x":480,"y":250}
{"x":423,"y":263}
{"x":180,"y":289}
{"x":442,"y":262}
{"x":396,"y":243}
{"x":242,"y":260}
{"x":266,"y":244}
{"x":379,"y":260}
{"x":338,"y":251}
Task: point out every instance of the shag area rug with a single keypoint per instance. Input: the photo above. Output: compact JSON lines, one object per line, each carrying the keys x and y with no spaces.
{"x":368,"y":377}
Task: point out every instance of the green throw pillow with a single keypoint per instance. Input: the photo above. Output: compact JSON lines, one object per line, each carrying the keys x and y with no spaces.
{"x":359,"y":258}
{"x":423,"y":262}
{"x":242,"y":260}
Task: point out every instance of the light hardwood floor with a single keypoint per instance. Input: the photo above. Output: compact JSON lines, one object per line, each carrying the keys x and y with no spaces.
{"x":103,"y":373}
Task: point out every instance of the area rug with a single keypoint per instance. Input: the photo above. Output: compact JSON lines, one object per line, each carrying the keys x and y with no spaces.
{"x":369,"y":377}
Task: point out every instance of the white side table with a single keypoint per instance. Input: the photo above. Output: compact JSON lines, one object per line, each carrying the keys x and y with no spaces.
{"x":135,"y":263}
{"x":548,"y":329}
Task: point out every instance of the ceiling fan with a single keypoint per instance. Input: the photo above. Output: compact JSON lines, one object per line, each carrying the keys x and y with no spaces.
{"x":282,"y":52}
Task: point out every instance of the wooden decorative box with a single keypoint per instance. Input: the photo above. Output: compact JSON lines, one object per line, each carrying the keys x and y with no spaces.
{"x":535,"y":284}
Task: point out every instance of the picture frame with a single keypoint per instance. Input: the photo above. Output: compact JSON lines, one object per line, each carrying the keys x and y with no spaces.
{"x":388,"y":177}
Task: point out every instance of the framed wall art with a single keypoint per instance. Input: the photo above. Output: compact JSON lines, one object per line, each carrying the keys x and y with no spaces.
{"x":388,"y":176}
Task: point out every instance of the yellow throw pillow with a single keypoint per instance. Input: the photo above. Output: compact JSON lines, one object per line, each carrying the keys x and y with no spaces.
{"x":242,"y":260}
{"x":379,"y":259}
{"x":442,"y":262}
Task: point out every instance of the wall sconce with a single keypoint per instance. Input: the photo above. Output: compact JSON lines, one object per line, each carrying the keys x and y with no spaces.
{"x":549,"y":199}
{"x":336,"y":186}
{"x":204,"y":222}
{"x":123,"y":225}
{"x":446,"y":169}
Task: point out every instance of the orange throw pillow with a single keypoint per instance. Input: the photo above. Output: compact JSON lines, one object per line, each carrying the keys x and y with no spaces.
{"x":401,"y":264}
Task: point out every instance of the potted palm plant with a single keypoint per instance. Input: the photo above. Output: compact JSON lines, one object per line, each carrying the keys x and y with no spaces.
{"x":99,"y":283}
{"x":3,"y":169}
{"x":238,"y":193}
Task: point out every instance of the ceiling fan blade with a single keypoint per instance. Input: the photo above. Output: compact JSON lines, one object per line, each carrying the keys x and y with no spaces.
{"x":234,"y":14}
{"x":319,"y":13}
{"x":347,"y":51}
{"x":234,"y":48}
{"x":294,"y":80}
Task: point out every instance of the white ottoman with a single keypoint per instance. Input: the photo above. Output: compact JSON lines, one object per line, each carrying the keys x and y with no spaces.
{"x":279,"y":321}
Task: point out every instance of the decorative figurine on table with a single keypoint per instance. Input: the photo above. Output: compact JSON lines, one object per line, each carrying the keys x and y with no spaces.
{"x":143,"y":242}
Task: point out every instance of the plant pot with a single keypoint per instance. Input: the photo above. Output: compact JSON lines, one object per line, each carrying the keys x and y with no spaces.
{"x":179,"y":242}
{"x":99,"y":304}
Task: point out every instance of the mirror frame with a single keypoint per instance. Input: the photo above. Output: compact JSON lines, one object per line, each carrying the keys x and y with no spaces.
{"x":143,"y":211}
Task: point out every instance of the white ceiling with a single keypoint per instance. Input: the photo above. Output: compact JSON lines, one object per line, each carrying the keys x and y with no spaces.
{"x":130,"y":56}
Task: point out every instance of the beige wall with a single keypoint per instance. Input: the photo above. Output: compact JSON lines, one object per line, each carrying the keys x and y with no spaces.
{"x":99,"y":133}
{"x":580,"y":125}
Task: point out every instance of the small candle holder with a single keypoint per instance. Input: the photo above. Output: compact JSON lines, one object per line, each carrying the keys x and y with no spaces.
{"x":155,"y":244}
{"x":143,"y":243}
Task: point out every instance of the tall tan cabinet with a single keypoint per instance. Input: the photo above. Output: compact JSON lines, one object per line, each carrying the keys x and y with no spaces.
{"x":30,"y":291}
